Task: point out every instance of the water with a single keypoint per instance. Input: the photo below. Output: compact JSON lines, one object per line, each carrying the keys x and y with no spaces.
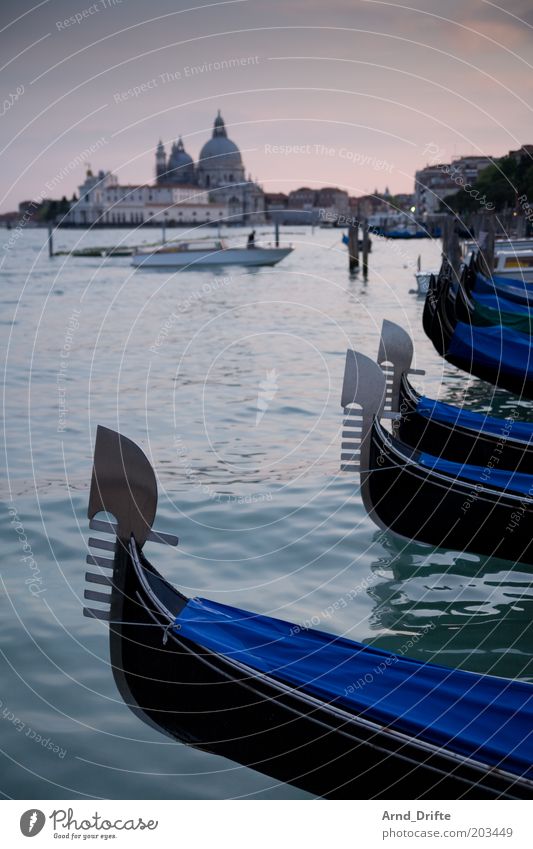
{"x":252,"y":487}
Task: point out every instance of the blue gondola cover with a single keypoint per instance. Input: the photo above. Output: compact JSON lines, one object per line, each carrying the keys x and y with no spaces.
{"x":516,"y":483}
{"x":501,"y":304}
{"x":481,"y":717}
{"x":497,"y":347}
{"x":456,"y":416}
{"x":508,"y":287}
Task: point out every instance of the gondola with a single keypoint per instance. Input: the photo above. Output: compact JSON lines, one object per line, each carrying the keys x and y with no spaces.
{"x":435,"y":286}
{"x":513,"y":289}
{"x":494,"y":353}
{"x":486,"y":310}
{"x":422,"y":496}
{"x":331,"y":716}
{"x":437,"y":428}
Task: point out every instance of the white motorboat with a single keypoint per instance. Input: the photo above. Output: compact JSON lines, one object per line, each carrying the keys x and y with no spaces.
{"x":191,"y":255}
{"x":512,"y":258}
{"x":514,"y":262}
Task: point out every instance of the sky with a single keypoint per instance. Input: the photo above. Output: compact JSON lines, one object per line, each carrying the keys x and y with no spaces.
{"x":353,"y":93}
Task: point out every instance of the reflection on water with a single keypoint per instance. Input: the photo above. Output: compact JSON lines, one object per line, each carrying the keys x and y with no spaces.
{"x":479,"y":609}
{"x":485,"y":398}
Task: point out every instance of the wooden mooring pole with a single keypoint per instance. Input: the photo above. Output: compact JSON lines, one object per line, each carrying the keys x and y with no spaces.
{"x":353,"y":247}
{"x":50,"y":239}
{"x":485,"y":238}
{"x":366,"y":247}
{"x":451,"y":248}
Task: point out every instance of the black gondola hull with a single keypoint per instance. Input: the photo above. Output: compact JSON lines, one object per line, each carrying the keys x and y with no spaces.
{"x":457,"y":443}
{"x":421,"y":504}
{"x":441,"y":330}
{"x":207,"y":701}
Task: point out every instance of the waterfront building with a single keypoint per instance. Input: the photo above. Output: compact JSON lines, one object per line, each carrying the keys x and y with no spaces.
{"x":436,"y":182}
{"x":432,"y":185}
{"x":104,"y":201}
{"x":275,"y":202}
{"x":333,"y":202}
{"x":308,"y":206}
{"x":367,"y":206}
{"x":211,"y":190}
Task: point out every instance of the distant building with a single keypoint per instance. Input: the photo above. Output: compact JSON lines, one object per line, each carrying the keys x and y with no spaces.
{"x":309,"y":206}
{"x":302,"y":199}
{"x":276,"y":200}
{"x":275,"y":205}
{"x":178,"y":169}
{"x":368,"y":206}
{"x":9,"y":219}
{"x":404,"y":201}
{"x":333,"y":201}
{"x":219,"y":171}
{"x":103,"y":201}
{"x":30,"y":207}
{"x":470,"y":167}
{"x":434,"y":183}
{"x":213,"y":189}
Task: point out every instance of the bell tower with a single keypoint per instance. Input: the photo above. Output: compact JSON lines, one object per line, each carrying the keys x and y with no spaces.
{"x":160,"y":163}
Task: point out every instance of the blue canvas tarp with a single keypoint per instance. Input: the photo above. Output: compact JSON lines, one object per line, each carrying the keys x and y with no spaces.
{"x":508,"y":287}
{"x":499,"y":348}
{"x":516,"y":483}
{"x":477,"y":716}
{"x":501,"y":304}
{"x":499,"y":428}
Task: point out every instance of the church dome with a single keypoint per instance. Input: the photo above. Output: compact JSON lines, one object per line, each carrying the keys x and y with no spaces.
{"x":180,"y":164}
{"x":219,"y":151}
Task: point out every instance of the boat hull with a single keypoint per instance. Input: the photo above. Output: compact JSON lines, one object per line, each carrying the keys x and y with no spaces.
{"x":440,"y":321}
{"x":456,"y":443}
{"x":205,"y":700}
{"x":197,"y":258}
{"x":521,"y":274}
{"x":419,"y":503}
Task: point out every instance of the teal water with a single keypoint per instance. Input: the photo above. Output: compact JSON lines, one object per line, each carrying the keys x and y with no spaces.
{"x":231,"y":384}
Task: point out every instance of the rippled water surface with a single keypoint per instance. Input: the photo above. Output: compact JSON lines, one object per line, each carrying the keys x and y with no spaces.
{"x":231,"y":384}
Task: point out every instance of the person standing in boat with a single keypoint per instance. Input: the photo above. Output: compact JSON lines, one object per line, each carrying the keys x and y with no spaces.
{"x":251,"y":239}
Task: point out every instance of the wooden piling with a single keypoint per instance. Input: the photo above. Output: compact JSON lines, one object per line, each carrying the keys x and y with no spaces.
{"x":445,"y":236}
{"x":455,"y":251}
{"x":366,"y":247}
{"x":277,"y":232}
{"x":50,"y":239}
{"x":520,"y":225}
{"x":485,"y":239}
{"x":353,"y":247}
{"x":451,"y":248}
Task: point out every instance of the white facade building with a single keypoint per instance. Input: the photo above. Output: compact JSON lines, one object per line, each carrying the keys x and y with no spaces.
{"x":102,"y":200}
{"x":436,"y":182}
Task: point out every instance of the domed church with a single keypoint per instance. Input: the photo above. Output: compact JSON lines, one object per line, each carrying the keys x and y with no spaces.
{"x":220,"y":160}
{"x":219,"y":171}
{"x":178,"y":170}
